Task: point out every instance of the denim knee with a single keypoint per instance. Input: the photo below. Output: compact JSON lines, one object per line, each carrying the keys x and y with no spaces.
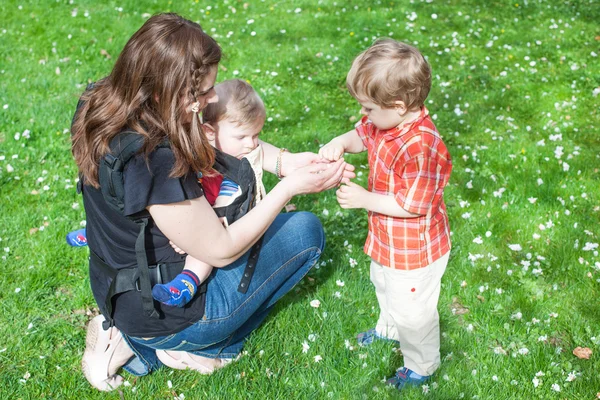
{"x":310,"y":229}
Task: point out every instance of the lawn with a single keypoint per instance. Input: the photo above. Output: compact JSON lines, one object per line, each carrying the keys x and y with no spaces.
{"x":516,"y":98}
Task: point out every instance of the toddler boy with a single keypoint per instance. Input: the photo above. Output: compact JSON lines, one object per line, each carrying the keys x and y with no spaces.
{"x":409,"y":166}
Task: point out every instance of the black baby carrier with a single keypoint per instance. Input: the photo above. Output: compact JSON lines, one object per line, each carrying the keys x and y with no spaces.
{"x":123,"y":148}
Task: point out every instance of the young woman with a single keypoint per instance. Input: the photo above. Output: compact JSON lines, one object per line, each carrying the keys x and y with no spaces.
{"x":162,"y":80}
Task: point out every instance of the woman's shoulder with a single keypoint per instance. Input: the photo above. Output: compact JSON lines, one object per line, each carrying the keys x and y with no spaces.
{"x":148,"y":181}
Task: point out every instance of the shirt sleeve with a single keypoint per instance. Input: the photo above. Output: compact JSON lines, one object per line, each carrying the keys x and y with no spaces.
{"x":211,"y":186}
{"x":419,"y":180}
{"x":364,"y":128}
{"x":148,"y":183}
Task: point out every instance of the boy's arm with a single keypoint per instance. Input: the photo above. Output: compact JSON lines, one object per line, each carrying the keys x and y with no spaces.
{"x":352,"y":195}
{"x":421,"y":178}
{"x":349,"y":142}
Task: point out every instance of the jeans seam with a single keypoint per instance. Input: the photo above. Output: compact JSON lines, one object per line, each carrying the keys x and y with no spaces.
{"x":146,"y":363}
{"x":263,"y":284}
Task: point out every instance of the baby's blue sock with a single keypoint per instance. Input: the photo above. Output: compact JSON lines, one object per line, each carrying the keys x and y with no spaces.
{"x":179,"y":291}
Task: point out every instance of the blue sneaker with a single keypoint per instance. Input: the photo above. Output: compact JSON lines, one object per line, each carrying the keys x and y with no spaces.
{"x":406,"y":377}
{"x":368,"y":337}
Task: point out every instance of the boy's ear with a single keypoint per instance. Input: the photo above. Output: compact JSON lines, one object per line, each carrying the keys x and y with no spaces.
{"x":400,"y":107}
{"x":209,"y":131}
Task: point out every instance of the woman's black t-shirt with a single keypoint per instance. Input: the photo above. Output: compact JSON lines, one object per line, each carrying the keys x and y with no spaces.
{"x":112,"y":237}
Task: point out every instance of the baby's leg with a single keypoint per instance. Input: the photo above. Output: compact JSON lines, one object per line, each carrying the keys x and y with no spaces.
{"x":181,"y":290}
{"x":200,"y":268}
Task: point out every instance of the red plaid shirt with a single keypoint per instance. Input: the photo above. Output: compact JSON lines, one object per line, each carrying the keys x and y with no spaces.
{"x":412,"y":163}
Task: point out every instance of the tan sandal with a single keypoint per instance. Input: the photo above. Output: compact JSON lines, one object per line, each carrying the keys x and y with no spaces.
{"x":185,"y":360}
{"x":105,"y":352}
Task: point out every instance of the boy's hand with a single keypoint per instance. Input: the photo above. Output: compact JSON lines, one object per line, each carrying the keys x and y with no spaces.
{"x":352,"y":195}
{"x":332,"y":151}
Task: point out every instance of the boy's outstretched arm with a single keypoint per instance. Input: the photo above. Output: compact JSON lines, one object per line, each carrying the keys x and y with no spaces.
{"x":349,"y":142}
{"x":353,"y":195}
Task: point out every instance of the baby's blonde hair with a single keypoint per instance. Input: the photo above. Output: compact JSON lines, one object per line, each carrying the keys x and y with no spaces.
{"x":238,"y":103}
{"x":390,"y":71}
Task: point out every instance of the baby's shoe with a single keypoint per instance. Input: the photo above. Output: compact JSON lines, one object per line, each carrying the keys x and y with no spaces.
{"x":406,"y":377}
{"x":368,"y":337}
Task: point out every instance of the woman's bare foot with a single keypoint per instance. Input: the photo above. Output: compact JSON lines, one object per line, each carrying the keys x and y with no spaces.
{"x":105,"y":352}
{"x":185,"y":360}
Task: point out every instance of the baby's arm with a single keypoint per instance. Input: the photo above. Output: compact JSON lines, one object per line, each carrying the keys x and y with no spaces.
{"x":349,"y":142}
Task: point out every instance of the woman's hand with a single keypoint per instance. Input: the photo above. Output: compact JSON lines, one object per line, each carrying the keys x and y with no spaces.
{"x":348,"y":173}
{"x":292,"y":161}
{"x":315,"y":178}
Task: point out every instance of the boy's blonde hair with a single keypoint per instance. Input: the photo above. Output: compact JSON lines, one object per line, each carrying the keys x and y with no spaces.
{"x":238,"y":103}
{"x":389,"y":71}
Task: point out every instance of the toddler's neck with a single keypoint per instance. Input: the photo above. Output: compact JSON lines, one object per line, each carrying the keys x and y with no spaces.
{"x":409,"y":117}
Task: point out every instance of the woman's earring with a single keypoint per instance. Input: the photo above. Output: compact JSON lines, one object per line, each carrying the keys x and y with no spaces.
{"x":196,"y":110}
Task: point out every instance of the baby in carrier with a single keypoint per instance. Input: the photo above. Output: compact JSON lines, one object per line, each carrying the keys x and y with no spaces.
{"x":232,"y":126}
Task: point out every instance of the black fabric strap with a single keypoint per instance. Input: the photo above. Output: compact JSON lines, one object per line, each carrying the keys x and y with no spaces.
{"x":250,"y":267}
{"x":127,"y":279}
{"x":142,"y":263}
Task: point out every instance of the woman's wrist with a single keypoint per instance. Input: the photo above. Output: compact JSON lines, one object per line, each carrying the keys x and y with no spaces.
{"x":279,"y":163}
{"x":286,"y":187}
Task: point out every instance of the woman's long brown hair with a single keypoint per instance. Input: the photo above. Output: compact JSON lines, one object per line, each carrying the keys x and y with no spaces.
{"x":153,"y":82}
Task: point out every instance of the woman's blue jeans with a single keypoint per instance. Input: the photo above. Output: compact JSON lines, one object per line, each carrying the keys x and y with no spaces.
{"x":291,"y":247}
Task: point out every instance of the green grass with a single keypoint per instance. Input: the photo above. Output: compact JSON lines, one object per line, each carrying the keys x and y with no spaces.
{"x":515,"y":97}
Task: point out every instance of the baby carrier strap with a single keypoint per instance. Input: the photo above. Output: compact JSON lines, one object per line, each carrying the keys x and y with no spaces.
{"x":240,"y":171}
{"x":123,"y":147}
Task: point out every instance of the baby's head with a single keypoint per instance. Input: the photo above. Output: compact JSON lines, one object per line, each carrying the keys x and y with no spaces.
{"x":234,"y":122}
{"x":389,"y":80}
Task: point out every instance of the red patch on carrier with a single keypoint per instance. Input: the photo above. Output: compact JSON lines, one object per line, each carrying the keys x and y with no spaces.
{"x":413,"y":289}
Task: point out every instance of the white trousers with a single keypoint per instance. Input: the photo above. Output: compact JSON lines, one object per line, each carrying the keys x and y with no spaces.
{"x":408,"y":303}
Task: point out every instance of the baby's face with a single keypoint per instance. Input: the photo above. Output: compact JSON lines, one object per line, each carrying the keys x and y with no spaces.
{"x":237,"y":140}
